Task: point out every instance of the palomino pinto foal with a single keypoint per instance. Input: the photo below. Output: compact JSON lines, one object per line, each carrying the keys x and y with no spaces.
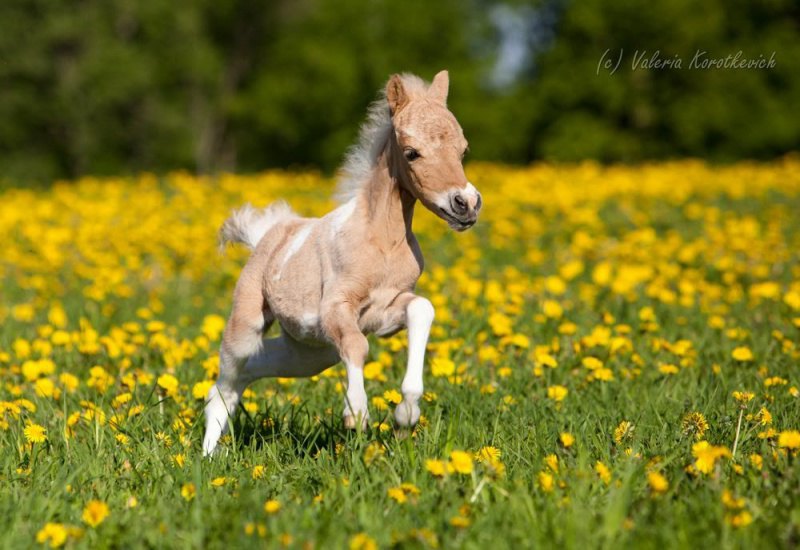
{"x":329,"y":281}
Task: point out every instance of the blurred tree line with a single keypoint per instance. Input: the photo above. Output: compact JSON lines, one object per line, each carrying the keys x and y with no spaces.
{"x":113,"y":86}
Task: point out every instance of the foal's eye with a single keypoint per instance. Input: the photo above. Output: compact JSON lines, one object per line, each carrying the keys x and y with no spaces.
{"x":411,"y":154}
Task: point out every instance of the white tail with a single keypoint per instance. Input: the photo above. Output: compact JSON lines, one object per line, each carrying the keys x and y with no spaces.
{"x":248,"y":225}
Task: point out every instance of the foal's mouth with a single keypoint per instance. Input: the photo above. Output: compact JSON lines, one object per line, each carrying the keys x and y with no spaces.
{"x":454,"y":222}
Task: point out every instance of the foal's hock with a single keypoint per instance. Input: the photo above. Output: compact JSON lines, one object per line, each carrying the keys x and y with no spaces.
{"x":309,"y":274}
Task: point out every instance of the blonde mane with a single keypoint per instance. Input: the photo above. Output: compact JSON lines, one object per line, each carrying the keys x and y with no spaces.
{"x":362,"y":157}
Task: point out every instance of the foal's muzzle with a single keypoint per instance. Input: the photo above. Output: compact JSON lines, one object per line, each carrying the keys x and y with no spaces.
{"x":462,"y":209}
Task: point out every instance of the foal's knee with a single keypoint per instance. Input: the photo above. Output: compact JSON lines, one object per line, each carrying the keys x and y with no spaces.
{"x":243,"y":335}
{"x":354,"y":348}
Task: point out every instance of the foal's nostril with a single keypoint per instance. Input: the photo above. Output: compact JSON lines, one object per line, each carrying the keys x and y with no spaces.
{"x":478,"y":203}
{"x":460,"y":205}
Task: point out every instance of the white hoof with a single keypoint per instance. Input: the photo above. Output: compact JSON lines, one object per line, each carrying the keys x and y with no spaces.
{"x":210,"y":444}
{"x":356,"y":421}
{"x":217,"y":413}
{"x":406,"y":414}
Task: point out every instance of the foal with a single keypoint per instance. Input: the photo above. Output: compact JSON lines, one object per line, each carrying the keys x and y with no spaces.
{"x":329,"y":281}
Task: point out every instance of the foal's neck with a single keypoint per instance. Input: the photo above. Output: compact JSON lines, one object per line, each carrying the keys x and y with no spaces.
{"x":390,"y":208}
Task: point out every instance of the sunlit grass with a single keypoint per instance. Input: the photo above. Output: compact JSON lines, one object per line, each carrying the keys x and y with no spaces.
{"x":602,"y":336}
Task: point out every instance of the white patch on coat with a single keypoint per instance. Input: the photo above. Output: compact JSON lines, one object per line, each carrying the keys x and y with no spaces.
{"x":309,"y":320}
{"x":297,"y":242}
{"x":294,"y":246}
{"x":340,"y":216}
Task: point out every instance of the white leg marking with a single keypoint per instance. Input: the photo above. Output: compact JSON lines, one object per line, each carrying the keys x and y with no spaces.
{"x":220,"y":406}
{"x":419,"y":315}
{"x":355,"y":401}
{"x":224,"y":396}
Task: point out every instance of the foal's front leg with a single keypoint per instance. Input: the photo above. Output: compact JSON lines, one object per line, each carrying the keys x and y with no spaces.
{"x":419,"y":315}
{"x":341,"y":325}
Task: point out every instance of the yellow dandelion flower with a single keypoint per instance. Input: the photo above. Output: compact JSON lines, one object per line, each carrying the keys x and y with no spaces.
{"x":442,"y":367}
{"x":258,"y":471}
{"x":200,"y":390}
{"x":362,"y":541}
{"x":168,"y":383}
{"x":623,"y":432}
{"x":379,"y":403}
{"x":764,"y":417}
{"x":706,"y":456}
{"x":52,"y":534}
{"x":461,"y":462}
{"x":603,"y":472}
{"x":731,"y":502}
{"x":392,"y":396}
{"x":694,"y":423}
{"x":437,"y":468}
{"x":44,"y":387}
{"x":373,"y":452}
{"x":742,"y":354}
{"x":212,"y":326}
{"x":34,"y":433}
{"x":742,"y":519}
{"x":94,"y":513}
{"x":546,"y":482}
{"x":658,"y":483}
{"x":488,"y":454}
{"x":460,"y":522}
{"x":567,"y":439}
{"x":188,"y":491}
{"x":668,"y":369}
{"x":69,"y":381}
{"x":789,"y":439}
{"x":397,"y":494}
{"x":557,"y":393}
{"x":552,"y":309}
{"x":272,"y":506}
{"x":592,"y":363}
{"x":743,"y":397}
{"x":410,"y":488}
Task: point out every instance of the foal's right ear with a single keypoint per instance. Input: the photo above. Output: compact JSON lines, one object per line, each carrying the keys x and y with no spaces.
{"x":396,"y":94}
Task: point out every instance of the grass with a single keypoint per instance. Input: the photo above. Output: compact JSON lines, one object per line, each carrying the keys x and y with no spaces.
{"x":657,"y":272}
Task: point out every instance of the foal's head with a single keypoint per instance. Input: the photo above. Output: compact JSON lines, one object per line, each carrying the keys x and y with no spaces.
{"x":428,"y":150}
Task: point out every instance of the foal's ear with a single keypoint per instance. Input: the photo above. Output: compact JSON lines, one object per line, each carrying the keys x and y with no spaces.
{"x":396,"y":94}
{"x":438,"y":89}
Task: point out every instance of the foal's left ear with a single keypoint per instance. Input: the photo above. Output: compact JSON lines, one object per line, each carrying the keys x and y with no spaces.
{"x":438,"y":88}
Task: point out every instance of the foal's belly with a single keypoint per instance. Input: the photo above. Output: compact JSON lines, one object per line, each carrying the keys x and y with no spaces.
{"x":293,"y":297}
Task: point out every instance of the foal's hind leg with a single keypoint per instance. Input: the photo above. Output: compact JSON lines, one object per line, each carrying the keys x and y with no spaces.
{"x":241,"y":339}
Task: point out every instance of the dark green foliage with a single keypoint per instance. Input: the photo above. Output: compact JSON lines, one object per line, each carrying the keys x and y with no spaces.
{"x":100,"y":87}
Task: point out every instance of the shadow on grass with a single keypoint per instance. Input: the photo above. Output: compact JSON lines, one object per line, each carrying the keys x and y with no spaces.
{"x":298,"y":429}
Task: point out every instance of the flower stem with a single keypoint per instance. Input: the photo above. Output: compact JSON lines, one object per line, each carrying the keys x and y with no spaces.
{"x":738,"y":430}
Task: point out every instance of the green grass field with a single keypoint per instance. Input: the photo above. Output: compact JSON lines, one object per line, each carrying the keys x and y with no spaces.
{"x":604,"y":338}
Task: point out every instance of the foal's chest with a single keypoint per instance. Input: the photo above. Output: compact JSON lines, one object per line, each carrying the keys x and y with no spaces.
{"x":395,"y":274}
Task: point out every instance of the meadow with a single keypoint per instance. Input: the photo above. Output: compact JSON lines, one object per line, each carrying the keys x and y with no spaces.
{"x":614,"y":362}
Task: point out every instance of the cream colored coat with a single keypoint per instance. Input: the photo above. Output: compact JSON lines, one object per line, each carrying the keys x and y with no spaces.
{"x":330,"y":281}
